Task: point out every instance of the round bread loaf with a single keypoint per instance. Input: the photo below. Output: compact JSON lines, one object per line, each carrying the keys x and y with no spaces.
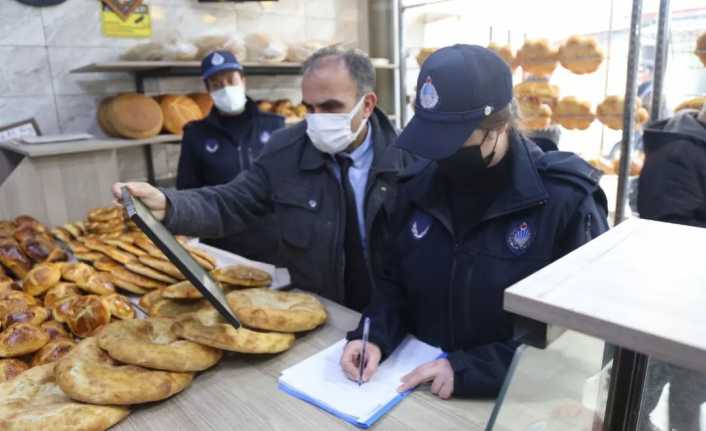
{"x":55,"y":330}
{"x":204,"y":101}
{"x":87,"y":314}
{"x":538,"y":91}
{"x":152,"y":344}
{"x":52,"y":352}
{"x":135,"y":116}
{"x":63,"y":307}
{"x":120,"y":307}
{"x":33,"y":402}
{"x":277,"y":311}
{"x":535,"y":115}
{"x":33,"y":314}
{"x":21,"y":339}
{"x":537,"y":57}
{"x":104,"y":120}
{"x":41,"y":278}
{"x":581,"y":54}
{"x":207,"y":327}
{"x":88,"y":374}
{"x":11,"y":368}
{"x":178,"y":111}
{"x":78,"y":272}
{"x":99,"y":283}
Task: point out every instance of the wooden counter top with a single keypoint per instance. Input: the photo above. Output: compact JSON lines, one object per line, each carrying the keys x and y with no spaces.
{"x":85,"y":146}
{"x":241,"y":394}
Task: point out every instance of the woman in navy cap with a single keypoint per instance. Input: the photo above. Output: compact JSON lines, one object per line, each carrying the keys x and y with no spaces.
{"x":489,"y":210}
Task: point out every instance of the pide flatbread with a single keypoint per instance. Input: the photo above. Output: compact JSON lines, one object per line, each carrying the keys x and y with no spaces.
{"x":89,"y":375}
{"x":175,"y":308}
{"x":151,"y":343}
{"x":110,"y":251}
{"x":33,"y":401}
{"x":277,"y":311}
{"x":242,"y":275}
{"x":148,"y":272}
{"x":207,"y":327}
{"x":125,"y":246}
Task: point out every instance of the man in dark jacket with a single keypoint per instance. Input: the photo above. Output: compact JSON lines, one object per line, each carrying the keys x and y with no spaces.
{"x":331,"y":182}
{"x":224,"y":144}
{"x":673,"y":179}
{"x":490,"y":211}
{"x":673,"y":190}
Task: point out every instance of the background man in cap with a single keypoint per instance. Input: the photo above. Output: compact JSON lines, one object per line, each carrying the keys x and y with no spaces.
{"x":224,"y":144}
{"x":491,"y":210}
{"x":331,"y":181}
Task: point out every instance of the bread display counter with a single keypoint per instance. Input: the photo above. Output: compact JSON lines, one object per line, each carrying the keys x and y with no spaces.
{"x":62,"y":181}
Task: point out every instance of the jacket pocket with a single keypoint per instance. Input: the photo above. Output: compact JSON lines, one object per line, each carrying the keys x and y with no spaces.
{"x":297,"y":206}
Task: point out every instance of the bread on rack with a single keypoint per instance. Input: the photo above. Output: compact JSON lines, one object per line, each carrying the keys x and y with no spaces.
{"x":204,"y":101}
{"x":423,"y":54}
{"x":506,"y":53}
{"x":581,"y":54}
{"x":178,"y":111}
{"x":573,"y":113}
{"x":610,"y":112}
{"x":534,"y":115}
{"x":135,"y":116}
{"x":538,"y":57}
{"x":539,"y":90}
{"x":695,"y":104}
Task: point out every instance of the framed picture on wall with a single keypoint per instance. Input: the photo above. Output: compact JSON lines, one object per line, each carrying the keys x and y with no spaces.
{"x":19,"y":130}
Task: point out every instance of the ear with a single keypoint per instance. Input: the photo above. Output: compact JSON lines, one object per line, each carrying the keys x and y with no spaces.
{"x":369,"y":104}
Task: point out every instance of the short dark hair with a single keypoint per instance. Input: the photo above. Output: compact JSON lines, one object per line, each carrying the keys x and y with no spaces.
{"x":356,"y":61}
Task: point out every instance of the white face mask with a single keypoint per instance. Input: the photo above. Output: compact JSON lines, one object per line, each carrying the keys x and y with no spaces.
{"x":230,"y":99}
{"x":331,"y":133}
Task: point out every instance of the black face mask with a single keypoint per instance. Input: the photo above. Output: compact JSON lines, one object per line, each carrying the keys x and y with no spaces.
{"x":467,"y":163}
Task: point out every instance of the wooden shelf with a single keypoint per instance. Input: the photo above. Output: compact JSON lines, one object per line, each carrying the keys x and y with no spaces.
{"x":88,"y":145}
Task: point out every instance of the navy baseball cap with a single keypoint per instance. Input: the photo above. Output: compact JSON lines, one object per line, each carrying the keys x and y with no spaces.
{"x":457,"y":88}
{"x":218,"y":61}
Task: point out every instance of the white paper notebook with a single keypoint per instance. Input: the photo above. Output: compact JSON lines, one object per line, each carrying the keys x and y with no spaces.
{"x":319,"y":380}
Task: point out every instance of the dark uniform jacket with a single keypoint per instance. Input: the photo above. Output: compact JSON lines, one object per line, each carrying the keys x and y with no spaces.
{"x":299,"y":184}
{"x":673,"y":179}
{"x":214,"y":151}
{"x":448,"y":290}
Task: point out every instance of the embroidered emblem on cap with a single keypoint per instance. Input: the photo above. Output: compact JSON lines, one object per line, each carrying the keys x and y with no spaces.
{"x":488,"y":110}
{"x":520,"y":237}
{"x":212,"y":146}
{"x":428,"y":96}
{"x":265,"y":137}
{"x":421,"y":223}
{"x":217,"y":59}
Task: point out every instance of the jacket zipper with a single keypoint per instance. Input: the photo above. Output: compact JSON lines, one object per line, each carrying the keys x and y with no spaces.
{"x":338,"y":243}
{"x":451,"y":295}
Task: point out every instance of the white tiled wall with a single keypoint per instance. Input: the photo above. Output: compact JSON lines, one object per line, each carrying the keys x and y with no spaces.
{"x":40,"y":46}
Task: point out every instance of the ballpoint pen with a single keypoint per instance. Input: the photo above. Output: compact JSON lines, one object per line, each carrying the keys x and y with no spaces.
{"x":366,"y":334}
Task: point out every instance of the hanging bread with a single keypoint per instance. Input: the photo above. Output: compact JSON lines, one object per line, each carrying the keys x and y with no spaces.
{"x":538,"y":57}
{"x":89,"y":375}
{"x":581,"y":54}
{"x":178,"y":111}
{"x":33,"y":401}
{"x":277,"y":311}
{"x":207,"y":327}
{"x":573,"y":113}
{"x":610,"y":112}
{"x":204,"y":101}
{"x":423,"y":54}
{"x":135,"y":116}
{"x":534,"y":115}
{"x":152,"y":344}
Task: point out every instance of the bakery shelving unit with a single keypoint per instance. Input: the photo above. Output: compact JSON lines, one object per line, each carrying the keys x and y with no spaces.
{"x":143,"y":70}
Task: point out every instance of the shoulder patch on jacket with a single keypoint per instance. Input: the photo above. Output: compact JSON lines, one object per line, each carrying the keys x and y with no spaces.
{"x":569,"y":167}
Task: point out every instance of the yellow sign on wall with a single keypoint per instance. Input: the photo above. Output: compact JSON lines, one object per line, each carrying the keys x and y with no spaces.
{"x":137,"y":25}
